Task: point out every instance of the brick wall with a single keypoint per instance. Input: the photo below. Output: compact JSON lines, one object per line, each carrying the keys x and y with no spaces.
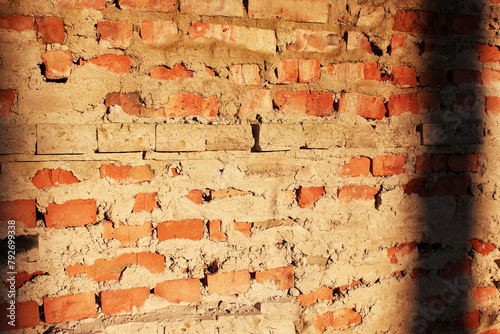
{"x":230,"y":166}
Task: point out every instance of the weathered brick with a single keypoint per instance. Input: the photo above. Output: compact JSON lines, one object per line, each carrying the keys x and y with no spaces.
{"x":17,"y":139}
{"x":176,"y":73}
{"x":291,"y":10}
{"x":459,"y":268}
{"x":460,"y":24}
{"x":158,"y":31}
{"x":418,"y":273}
{"x":483,"y":248}
{"x":442,"y":47}
{"x":487,"y":53}
{"x":183,"y":229}
{"x":388,"y":165}
{"x":403,"y":103}
{"x":80,"y":4}
{"x":23,"y":211}
{"x":127,"y":235}
{"x":118,"y":64}
{"x":349,"y":194}
{"x":47,"y":178}
{"x":127,"y":174}
{"x":445,"y":134}
{"x":26,"y":315}
{"x":283,"y":277}
{"x":7,"y":99}
{"x":195,"y":196}
{"x":354,"y":71}
{"x":364,"y":105}
{"x":463,"y":163}
{"x":358,"y":41}
{"x":338,"y":319}
{"x":288,"y":71}
{"x":321,"y":135}
{"x":149,"y":5}
{"x":212,"y":7}
{"x":145,"y":202}
{"x":404,"y":76}
{"x":258,"y":101}
{"x":486,"y":296}
{"x":65,"y":138}
{"x":180,"y":290}
{"x":214,"y":230}
{"x":229,"y":192}
{"x":371,"y":17}
{"x":58,"y":64}
{"x":123,"y":301}
{"x":50,"y":30}
{"x":314,"y":41}
{"x":396,"y":253}
{"x":467,"y":320}
{"x":231,"y":283}
{"x":307,"y":197}
{"x":434,"y":77}
{"x":356,"y":167}
{"x":424,"y":164}
{"x":17,"y":23}
{"x":229,"y":138}
{"x":71,"y":213}
{"x":322,"y":293}
{"x":23,"y":277}
{"x":244,"y":228}
{"x":114,"y":34}
{"x":130,"y":104}
{"x":419,"y":22}
{"x":493,"y":105}
{"x":397,"y":43}
{"x":246,"y":74}
{"x":309,"y":70}
{"x":304,"y":102}
{"x":105,"y":270}
{"x":488,"y":77}
{"x":70,"y":307}
{"x":180,"y":137}
{"x":277,"y":137}
{"x":187,"y":104}
{"x":125,"y":137}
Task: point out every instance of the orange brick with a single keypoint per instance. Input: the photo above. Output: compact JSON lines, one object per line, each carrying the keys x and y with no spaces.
{"x":309,"y":70}
{"x":123,"y":301}
{"x":404,"y":76}
{"x":356,"y":167}
{"x":195,"y":196}
{"x":307,"y":197}
{"x":127,"y":174}
{"x":188,"y":104}
{"x":50,"y":30}
{"x":396,"y":253}
{"x":246,"y":74}
{"x":7,"y":99}
{"x":71,"y":213}
{"x":145,"y":202}
{"x":244,"y":228}
{"x":80,"y":4}
{"x":397,"y":42}
{"x":283,"y":277}
{"x":70,"y":307}
{"x":176,"y":73}
{"x":128,"y":235}
{"x":180,"y":290}
{"x":47,"y":178}
{"x":149,"y":5}
{"x":17,"y":23}
{"x":364,"y":105}
{"x":349,"y":194}
{"x":26,"y":315}
{"x":493,"y":105}
{"x":487,"y":53}
{"x":314,"y":41}
{"x":288,"y":71}
{"x":231,"y":283}
{"x":256,"y":102}
{"x":158,"y":31}
{"x":215,"y":231}
{"x":486,"y":296}
{"x":118,"y":64}
{"x":304,"y":102}
{"x":58,"y":64}
{"x":403,"y":103}
{"x":114,"y":34}
{"x":212,"y":7}
{"x":338,"y":319}
{"x":229,"y":192}
{"x":23,"y":211}
{"x":184,"y":229}
{"x":291,"y":10}
{"x":388,"y":165}
{"x":358,"y":41}
{"x":483,"y":248}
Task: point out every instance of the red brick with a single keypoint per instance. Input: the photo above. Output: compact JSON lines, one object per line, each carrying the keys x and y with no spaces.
{"x":483,"y":248}
{"x":403,"y":103}
{"x":467,"y":320}
{"x":105,"y":270}
{"x":460,"y":268}
{"x":463,"y":77}
{"x":304,"y":102}
{"x":319,"y":104}
{"x":70,"y":307}
{"x":149,"y":5}
{"x":23,"y":277}
{"x":428,"y":101}
{"x":322,"y":292}
{"x":258,"y":101}
{"x":145,"y":202}
{"x":486,"y":296}
{"x":288,"y":71}
{"x":80,"y":4}
{"x":396,"y":253}
{"x":463,"y":24}
{"x":17,"y":23}
{"x":439,"y":162}
{"x":307,"y":197}
{"x":23,"y":211}
{"x":128,"y":235}
{"x":246,"y":74}
{"x":176,"y":73}
{"x":493,"y":105}
{"x":195,"y":196}
{"x":314,"y":41}
{"x":397,"y":42}
{"x":443,"y":47}
{"x":348,"y":194}
{"x":489,"y":77}
{"x":283,"y":277}
{"x":352,"y":284}
{"x":181,"y":290}
{"x":463,"y":163}
{"x":419,"y":22}
{"x":183,"y":229}
{"x":243,"y":227}
{"x":415,"y":186}
{"x":215,"y":232}
{"x":231,"y":283}
{"x":212,"y":7}
{"x":114,"y":34}
{"x":123,"y":301}
{"x":58,"y":64}
{"x":7,"y":99}
{"x":309,"y":70}
{"x":487,"y":53}
{"x":26,"y":315}
{"x":127,"y":174}
{"x":118,"y":64}
{"x":356,"y":167}
{"x":424,"y":164}
{"x":388,"y":165}
{"x":71,"y":213}
{"x":434,"y":77}
{"x":50,"y":30}
{"x":358,"y":41}
{"x":338,"y":319}
{"x":129,"y":102}
{"x":371,"y":71}
{"x":291,"y":10}
{"x":188,"y":104}
{"x":364,"y":105}
{"x":354,"y":71}
{"x":492,"y":331}
{"x":158,"y":32}
{"x":417,"y":273}
{"x":404,"y":76}
{"x":47,"y":178}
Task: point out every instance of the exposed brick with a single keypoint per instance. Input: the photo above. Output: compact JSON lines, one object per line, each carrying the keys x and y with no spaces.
{"x":54,"y":138}
{"x":71,"y":213}
{"x":50,"y":30}
{"x":467,"y":320}
{"x":343,"y":288}
{"x":424,"y":164}
{"x":58,"y":64}
{"x":195,"y":196}
{"x":105,"y":270}
{"x":243,"y":227}
{"x":288,"y":71}
{"x":486,"y":296}
{"x":463,"y":24}
{"x":183,"y":229}
{"x":442,"y":47}
{"x":309,"y":70}
{"x":434,"y":78}
{"x":213,"y":7}
{"x":118,"y":64}
{"x":397,"y":42}
{"x":119,"y":137}
{"x":396,"y":253}
{"x":453,"y":185}
{"x":186,"y":104}
{"x":439,"y":162}
{"x":322,"y":293}
{"x":364,"y":105}
{"x":127,"y":174}
{"x":428,"y":101}
{"x":214,"y":230}
{"x":114,"y":34}
{"x":356,"y":167}
{"x":403,"y":103}
{"x":348,"y":194}
{"x":123,"y":301}
{"x":314,"y":41}
{"x":283,"y":277}
{"x":388,"y":165}
{"x":415,"y":186}
{"x":258,"y":101}
{"x":460,"y":268}
{"x":231,"y":283}
{"x":229,"y":192}
{"x":291,"y":10}
{"x":128,"y":235}
{"x":80,"y":4}
{"x":158,"y":31}
{"x":180,"y":290}
{"x":47,"y":178}
{"x":26,"y":315}
{"x":307,"y":197}
{"x":70,"y":307}
{"x":338,"y":319}
{"x":419,"y":22}
{"x":149,"y":5}
{"x":246,"y":74}
{"x":145,"y":202}
{"x":7,"y":99}
{"x":463,"y":77}
{"x":493,"y":105}
{"x":358,"y":41}
{"x":371,"y":17}
{"x":17,"y":23}
{"x":354,"y":71}
{"x":23,"y":211}
{"x":22,"y":277}
{"x":492,"y":331}
{"x":463,"y":163}
{"x":483,"y":248}
{"x":129,"y":102}
{"x":304,"y":102}
{"x":176,"y":73}
{"x":404,"y":76}
{"x":487,"y":53}
{"x":489,"y":77}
